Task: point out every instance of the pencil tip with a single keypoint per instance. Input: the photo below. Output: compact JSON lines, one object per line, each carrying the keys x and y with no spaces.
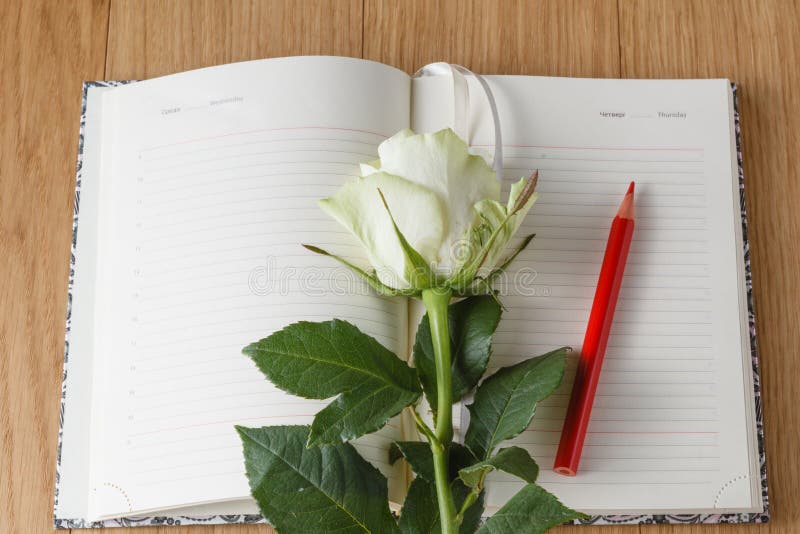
{"x":626,"y":210}
{"x":566,"y":471}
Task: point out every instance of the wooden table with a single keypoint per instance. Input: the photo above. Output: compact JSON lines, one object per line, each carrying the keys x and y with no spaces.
{"x":50,"y":47}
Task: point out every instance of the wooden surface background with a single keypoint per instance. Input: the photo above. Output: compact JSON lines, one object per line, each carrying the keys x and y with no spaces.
{"x":50,"y":47}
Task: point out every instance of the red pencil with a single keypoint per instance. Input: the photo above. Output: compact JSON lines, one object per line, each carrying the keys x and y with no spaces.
{"x":594,"y":343}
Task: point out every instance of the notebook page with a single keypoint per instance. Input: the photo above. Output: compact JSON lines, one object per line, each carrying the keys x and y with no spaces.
{"x":669,"y":428}
{"x":212,"y":181}
{"x":73,"y":475}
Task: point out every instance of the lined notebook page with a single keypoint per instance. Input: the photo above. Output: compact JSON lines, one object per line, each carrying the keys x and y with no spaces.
{"x":213,"y":181}
{"x":669,"y":428}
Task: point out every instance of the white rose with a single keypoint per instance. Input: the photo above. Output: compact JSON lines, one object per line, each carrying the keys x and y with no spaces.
{"x":445,"y":204}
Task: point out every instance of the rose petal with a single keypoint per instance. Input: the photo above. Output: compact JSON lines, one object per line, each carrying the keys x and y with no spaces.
{"x":357,"y":206}
{"x":441,"y":162}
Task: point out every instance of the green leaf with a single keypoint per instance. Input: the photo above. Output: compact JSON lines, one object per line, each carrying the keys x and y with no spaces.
{"x":472,"y":322}
{"x":418,"y":455}
{"x":500,"y":223}
{"x":473,"y":514}
{"x":531,"y":511}
{"x":371,"y":279}
{"x":506,"y":401}
{"x":420,"y":513}
{"x":320,"y":360}
{"x":508,"y":261}
{"x":418,"y":271}
{"x":513,"y":460}
{"x":483,"y":286}
{"x":323,"y":489}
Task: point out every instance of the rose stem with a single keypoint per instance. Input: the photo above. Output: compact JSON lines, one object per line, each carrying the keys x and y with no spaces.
{"x":436,"y":303}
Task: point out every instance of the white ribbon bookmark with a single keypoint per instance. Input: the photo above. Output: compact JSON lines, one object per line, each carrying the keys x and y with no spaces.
{"x":461,"y":120}
{"x":461,"y":125}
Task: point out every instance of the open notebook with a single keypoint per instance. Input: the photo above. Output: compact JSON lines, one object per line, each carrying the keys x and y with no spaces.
{"x":195,"y":191}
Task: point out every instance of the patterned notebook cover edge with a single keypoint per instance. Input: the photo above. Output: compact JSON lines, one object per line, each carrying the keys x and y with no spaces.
{"x":760,"y":517}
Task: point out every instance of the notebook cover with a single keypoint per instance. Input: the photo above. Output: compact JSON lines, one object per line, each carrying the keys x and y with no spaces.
{"x":644,"y":519}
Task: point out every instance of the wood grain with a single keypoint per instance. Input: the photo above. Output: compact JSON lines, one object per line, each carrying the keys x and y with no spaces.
{"x":154,"y":38}
{"x":554,"y":38}
{"x":48,"y":48}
